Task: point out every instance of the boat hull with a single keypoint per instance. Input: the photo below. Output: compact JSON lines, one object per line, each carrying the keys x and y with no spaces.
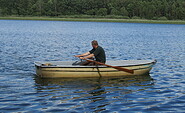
{"x":55,"y":71}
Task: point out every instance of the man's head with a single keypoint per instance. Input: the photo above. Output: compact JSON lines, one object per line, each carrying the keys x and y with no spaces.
{"x":94,"y":44}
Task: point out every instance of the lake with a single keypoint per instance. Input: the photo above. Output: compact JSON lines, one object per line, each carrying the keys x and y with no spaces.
{"x":23,"y":42}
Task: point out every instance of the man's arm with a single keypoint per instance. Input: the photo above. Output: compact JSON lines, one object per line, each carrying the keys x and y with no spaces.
{"x":84,"y":54}
{"x":86,"y":57}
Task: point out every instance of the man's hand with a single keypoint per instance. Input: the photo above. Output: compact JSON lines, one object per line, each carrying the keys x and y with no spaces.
{"x":82,"y":58}
{"x":77,"y":56}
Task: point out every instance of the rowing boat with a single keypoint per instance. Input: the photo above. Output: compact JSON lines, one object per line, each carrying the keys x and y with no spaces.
{"x":66,"y":69}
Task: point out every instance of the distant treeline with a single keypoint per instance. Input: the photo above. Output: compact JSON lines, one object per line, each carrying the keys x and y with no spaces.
{"x":138,"y":9}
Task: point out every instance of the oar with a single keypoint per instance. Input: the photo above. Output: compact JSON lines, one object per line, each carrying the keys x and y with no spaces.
{"x":116,"y":67}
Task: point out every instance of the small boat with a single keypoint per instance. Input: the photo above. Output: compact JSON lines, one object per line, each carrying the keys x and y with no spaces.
{"x":68,"y":69}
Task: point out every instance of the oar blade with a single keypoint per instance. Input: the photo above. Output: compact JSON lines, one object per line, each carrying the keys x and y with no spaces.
{"x":124,"y":69}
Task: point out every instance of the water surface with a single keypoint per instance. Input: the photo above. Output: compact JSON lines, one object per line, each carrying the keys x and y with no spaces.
{"x":23,"y":42}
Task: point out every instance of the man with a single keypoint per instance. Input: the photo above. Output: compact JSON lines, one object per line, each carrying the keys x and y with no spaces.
{"x":97,"y":52}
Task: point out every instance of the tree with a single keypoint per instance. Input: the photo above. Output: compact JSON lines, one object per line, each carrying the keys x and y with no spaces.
{"x":114,"y":11}
{"x":102,"y":12}
{"x":38,"y":7}
{"x":149,"y":9}
{"x":90,"y":12}
{"x":123,"y":11}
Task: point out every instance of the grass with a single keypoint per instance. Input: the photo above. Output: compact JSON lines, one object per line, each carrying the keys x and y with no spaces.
{"x":96,"y":20}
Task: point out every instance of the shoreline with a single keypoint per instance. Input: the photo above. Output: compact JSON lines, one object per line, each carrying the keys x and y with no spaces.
{"x":96,"y":20}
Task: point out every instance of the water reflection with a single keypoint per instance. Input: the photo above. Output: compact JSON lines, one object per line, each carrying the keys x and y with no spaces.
{"x":90,"y":94}
{"x":93,"y":83}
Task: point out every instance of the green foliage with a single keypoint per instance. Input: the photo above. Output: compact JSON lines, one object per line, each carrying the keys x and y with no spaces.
{"x":155,"y":18}
{"x":162,"y":18}
{"x":114,"y":11}
{"x":123,"y":11}
{"x":102,"y":12}
{"x":146,"y":9}
{"x":136,"y":17}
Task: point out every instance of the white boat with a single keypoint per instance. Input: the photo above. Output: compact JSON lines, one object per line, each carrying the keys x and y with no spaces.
{"x":67,"y":69}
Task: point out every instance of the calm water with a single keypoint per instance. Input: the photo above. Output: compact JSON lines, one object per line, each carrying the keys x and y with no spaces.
{"x":23,"y":42}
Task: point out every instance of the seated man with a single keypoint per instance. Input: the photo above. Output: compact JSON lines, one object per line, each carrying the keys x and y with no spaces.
{"x":97,"y":52}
